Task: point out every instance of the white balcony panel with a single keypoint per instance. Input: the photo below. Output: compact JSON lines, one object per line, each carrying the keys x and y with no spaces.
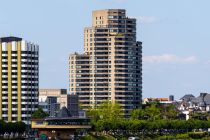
{"x":4,"y":70}
{"x":26,"y":115}
{"x":24,"y":71}
{"x":14,"y":76}
{"x":24,"y":60}
{"x":4,"y":97}
{"x":24,"y":76}
{"x":4,"y":76}
{"x":4,"y":60}
{"x":24,"y":109}
{"x":14,"y":60}
{"x":4,"y":115}
{"x":4,"y":109}
{"x":13,"y":65}
{"x":14,"y":97}
{"x":14,"y":109}
{"x":14,"y":54}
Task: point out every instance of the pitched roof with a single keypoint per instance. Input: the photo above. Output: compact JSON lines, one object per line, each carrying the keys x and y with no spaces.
{"x":63,"y":113}
{"x":187,"y":97}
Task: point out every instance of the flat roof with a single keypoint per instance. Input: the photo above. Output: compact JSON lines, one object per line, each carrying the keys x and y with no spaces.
{"x":10,"y":39}
{"x":65,"y":118}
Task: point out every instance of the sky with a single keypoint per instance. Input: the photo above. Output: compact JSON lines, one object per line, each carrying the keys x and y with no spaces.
{"x":175,"y":36}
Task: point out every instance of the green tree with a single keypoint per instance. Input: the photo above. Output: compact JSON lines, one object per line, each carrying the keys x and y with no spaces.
{"x":20,"y":127}
{"x":39,"y":114}
{"x":169,"y":112}
{"x":139,"y":114}
{"x":106,"y":116}
{"x":2,"y":127}
{"x":151,"y":111}
{"x":199,"y":116}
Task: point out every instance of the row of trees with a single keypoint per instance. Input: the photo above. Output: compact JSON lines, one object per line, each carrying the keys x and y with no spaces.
{"x":153,"y":118}
{"x":17,"y":127}
{"x":159,"y":126}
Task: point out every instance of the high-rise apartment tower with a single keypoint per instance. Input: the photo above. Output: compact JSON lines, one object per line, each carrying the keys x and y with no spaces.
{"x":19,"y":76}
{"x":111,"y":66}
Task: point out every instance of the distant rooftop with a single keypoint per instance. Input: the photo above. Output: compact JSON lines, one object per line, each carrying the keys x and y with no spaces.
{"x":187,"y":97}
{"x":10,"y":39}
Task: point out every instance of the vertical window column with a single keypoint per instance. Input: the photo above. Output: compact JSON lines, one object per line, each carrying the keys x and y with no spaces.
{"x":19,"y":80}
{"x":9,"y":48}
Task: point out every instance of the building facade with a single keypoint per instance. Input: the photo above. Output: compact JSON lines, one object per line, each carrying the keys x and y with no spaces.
{"x":19,"y":79}
{"x":73,"y":104}
{"x":53,"y":106}
{"x":111,"y":67}
{"x":60,"y":94}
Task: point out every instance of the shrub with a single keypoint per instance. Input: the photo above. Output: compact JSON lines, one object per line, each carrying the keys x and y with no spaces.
{"x":197,"y":135}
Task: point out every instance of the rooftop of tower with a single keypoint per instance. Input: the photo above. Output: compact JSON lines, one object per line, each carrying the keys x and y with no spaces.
{"x":10,"y":39}
{"x":101,"y":18}
{"x":110,"y":10}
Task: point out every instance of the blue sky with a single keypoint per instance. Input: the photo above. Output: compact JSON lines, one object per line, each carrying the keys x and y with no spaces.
{"x":175,"y":36}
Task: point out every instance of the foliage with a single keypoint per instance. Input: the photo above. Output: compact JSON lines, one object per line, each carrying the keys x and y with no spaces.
{"x":91,"y":137}
{"x":197,"y":135}
{"x":152,"y":121}
{"x":17,"y":127}
{"x":106,"y":117}
{"x":39,"y":114}
{"x":199,"y":115}
{"x":155,"y":111}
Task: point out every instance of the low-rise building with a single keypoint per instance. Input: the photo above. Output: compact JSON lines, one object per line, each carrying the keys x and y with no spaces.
{"x":63,"y":126}
{"x":61,"y":95}
{"x":191,"y":104}
{"x":200,"y":103}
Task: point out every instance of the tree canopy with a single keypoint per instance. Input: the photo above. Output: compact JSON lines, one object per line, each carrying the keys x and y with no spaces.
{"x":39,"y":114}
{"x":16,"y":127}
{"x":155,"y":111}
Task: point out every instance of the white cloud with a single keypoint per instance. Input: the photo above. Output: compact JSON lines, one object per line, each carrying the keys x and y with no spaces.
{"x":169,"y":58}
{"x":147,"y":19}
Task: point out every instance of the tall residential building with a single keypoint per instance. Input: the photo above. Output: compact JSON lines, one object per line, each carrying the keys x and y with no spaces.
{"x":61,"y":95}
{"x":111,"y":66}
{"x":19,"y":79}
